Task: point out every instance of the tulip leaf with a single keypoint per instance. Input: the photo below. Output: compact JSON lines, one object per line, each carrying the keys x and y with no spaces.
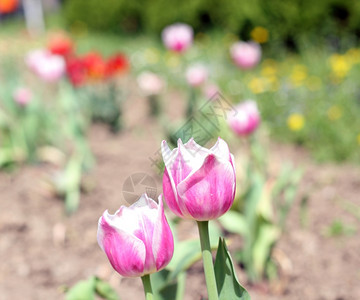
{"x":105,"y":290}
{"x":226,"y":280}
{"x":234,"y":222}
{"x":165,"y":287}
{"x":83,"y":290}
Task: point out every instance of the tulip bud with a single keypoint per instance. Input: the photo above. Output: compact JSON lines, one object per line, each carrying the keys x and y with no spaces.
{"x":137,"y":239}
{"x":177,"y":37}
{"x":245,"y":55}
{"x":196,"y":75}
{"x":150,"y":83}
{"x":22,"y":96}
{"x":246,"y":119}
{"x":198,"y":183}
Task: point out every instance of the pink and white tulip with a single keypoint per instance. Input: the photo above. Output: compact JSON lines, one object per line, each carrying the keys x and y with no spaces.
{"x":246,"y":118}
{"x":47,"y":66}
{"x":196,"y":75}
{"x":245,"y":55}
{"x":150,"y":83}
{"x":198,"y":183}
{"x":178,"y":37}
{"x":137,"y":239}
{"x":22,"y":96}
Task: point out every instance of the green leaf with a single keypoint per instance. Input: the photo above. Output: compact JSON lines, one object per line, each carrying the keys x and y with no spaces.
{"x":234,"y":222}
{"x":105,"y":290}
{"x":165,"y":287}
{"x":83,"y":290}
{"x":226,"y":280}
{"x":268,"y":235}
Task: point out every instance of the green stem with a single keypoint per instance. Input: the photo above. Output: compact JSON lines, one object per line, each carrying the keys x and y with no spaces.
{"x":147,"y":287}
{"x":207,"y":260}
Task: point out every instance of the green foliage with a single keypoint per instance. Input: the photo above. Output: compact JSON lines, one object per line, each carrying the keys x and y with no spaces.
{"x":227,"y":283}
{"x":287,"y":21}
{"x":88,"y":289}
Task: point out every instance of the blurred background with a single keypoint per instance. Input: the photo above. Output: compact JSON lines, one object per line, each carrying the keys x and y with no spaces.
{"x":89,"y":89}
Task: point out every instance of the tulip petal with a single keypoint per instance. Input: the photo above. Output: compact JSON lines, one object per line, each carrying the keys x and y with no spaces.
{"x":125,"y":252}
{"x":209,"y":191}
{"x":163,"y":242}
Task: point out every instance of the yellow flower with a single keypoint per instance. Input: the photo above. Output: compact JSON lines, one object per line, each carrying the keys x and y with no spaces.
{"x":340,"y":66}
{"x":353,"y":56}
{"x":313,"y":83}
{"x":152,"y":56}
{"x":172,"y":60}
{"x":260,"y":34}
{"x":358,"y":138}
{"x":296,"y":122}
{"x":334,"y":113}
{"x":298,"y":75}
{"x":257,"y":85}
{"x":268,"y":70}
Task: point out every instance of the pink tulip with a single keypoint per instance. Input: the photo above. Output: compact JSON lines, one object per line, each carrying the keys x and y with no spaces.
{"x":210,"y":91}
{"x":198,"y":183}
{"x":245,"y":55}
{"x":47,"y":66}
{"x":22,"y":96}
{"x":196,"y":75}
{"x":150,"y":83}
{"x":177,"y":37}
{"x":137,"y":239}
{"x":246,"y":118}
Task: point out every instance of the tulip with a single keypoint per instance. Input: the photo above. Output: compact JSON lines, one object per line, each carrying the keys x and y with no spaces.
{"x":150,"y":83}
{"x":198,"y":183}
{"x":196,"y":75}
{"x":245,"y":55}
{"x":117,"y":64}
{"x":47,"y":66}
{"x":137,"y":239}
{"x":22,"y":96}
{"x":60,"y":44}
{"x":246,"y":119}
{"x":177,"y":37}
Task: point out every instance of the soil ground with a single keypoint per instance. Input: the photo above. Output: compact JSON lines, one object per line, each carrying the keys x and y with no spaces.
{"x":42,"y":250}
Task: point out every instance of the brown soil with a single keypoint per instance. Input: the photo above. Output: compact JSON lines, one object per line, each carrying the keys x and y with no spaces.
{"x":42,"y":250}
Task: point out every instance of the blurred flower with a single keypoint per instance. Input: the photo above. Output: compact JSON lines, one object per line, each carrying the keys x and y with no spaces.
{"x":116,"y":65}
{"x":210,"y":90}
{"x":137,"y":239}
{"x":334,"y":113}
{"x":257,"y":85}
{"x":296,"y":122}
{"x":298,"y":75}
{"x":171,"y":60}
{"x":22,"y":96}
{"x":246,"y":118}
{"x":152,"y":55}
{"x":76,"y":71}
{"x":95,"y":65}
{"x":47,"y":66}
{"x":177,"y":37}
{"x":196,"y":75}
{"x":339,"y":65}
{"x":8,"y":6}
{"x":245,"y":55}
{"x":260,"y":34}
{"x":198,"y":183}
{"x":60,"y":44}
{"x":353,"y":56}
{"x":150,"y":83}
